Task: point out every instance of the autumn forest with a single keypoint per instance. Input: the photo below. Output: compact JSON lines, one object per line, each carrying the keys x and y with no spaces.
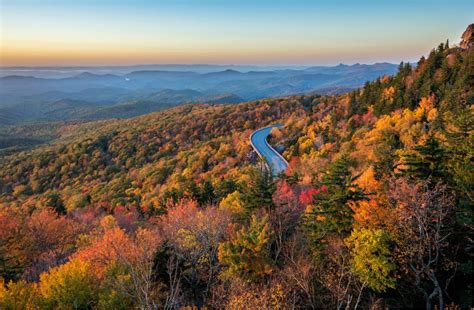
{"x":174,"y":209}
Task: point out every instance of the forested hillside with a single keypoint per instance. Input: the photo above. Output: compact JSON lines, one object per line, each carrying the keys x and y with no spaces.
{"x":172,"y":209}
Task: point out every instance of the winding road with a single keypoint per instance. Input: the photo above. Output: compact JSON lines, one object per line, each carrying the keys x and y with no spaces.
{"x":259,"y":142}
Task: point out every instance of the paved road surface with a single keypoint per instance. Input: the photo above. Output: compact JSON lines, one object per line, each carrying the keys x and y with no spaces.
{"x":258,"y":139}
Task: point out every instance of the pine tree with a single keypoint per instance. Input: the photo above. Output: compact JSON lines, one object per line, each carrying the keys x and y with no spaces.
{"x":247,"y":254}
{"x":460,"y":145}
{"x":425,"y":161}
{"x":224,"y":187}
{"x":259,"y":191}
{"x":206,"y":193}
{"x":354,"y":107}
{"x":331,"y":211}
{"x":385,"y":154}
{"x":54,"y":200}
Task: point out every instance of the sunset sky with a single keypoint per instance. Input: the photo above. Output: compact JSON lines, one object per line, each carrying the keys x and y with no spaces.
{"x":277,"y":32}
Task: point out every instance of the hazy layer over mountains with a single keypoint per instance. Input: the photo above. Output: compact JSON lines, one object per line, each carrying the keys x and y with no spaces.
{"x":88,"y":93}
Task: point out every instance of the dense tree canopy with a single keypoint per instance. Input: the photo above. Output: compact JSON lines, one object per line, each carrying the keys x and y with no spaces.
{"x":174,"y":209}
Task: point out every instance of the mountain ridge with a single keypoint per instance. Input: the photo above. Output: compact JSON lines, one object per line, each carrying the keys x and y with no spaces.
{"x":106,"y":89}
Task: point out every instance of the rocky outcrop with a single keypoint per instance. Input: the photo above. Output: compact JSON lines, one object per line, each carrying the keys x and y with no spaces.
{"x":467,"y":38}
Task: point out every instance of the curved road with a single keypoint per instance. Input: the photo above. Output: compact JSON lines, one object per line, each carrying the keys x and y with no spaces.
{"x":258,"y":139}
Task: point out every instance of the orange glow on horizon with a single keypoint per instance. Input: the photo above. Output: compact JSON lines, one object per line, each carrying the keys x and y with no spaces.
{"x":47,"y":54}
{"x":104,"y":32}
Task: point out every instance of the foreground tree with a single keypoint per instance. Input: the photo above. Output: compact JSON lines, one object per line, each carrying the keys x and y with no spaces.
{"x":425,"y":161}
{"x":331,"y":211}
{"x":124,"y":263}
{"x":423,"y":225}
{"x":371,"y":260}
{"x":193,"y":234}
{"x":259,"y":190}
{"x":69,"y":285}
{"x":285,"y":217}
{"x":247,"y":254}
{"x":51,"y":240}
{"x":18,"y":295}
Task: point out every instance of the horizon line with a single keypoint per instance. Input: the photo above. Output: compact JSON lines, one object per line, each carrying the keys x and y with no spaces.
{"x":204,"y":64}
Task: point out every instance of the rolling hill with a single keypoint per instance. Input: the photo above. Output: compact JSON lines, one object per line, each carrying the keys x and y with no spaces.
{"x":28,"y":99}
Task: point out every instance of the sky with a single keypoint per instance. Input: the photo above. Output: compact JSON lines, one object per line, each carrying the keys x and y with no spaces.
{"x":257,"y":32}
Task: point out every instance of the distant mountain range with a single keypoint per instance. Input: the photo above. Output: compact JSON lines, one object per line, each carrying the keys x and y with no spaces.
{"x":89,"y":95}
{"x":62,"y":72}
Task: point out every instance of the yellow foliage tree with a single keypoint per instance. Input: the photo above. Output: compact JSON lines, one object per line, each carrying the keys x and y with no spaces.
{"x":371,"y":260}
{"x":233,"y":202}
{"x":69,"y":286}
{"x":18,"y":295}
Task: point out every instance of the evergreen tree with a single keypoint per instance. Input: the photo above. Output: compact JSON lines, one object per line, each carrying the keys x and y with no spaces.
{"x":331,"y":211}
{"x":385,"y":154}
{"x":258,"y":192}
{"x":54,"y":200}
{"x":224,"y":187}
{"x":354,"y":107}
{"x":247,"y":254}
{"x":425,"y":161}
{"x":206,"y":193}
{"x":191,"y":189}
{"x":460,"y":159}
